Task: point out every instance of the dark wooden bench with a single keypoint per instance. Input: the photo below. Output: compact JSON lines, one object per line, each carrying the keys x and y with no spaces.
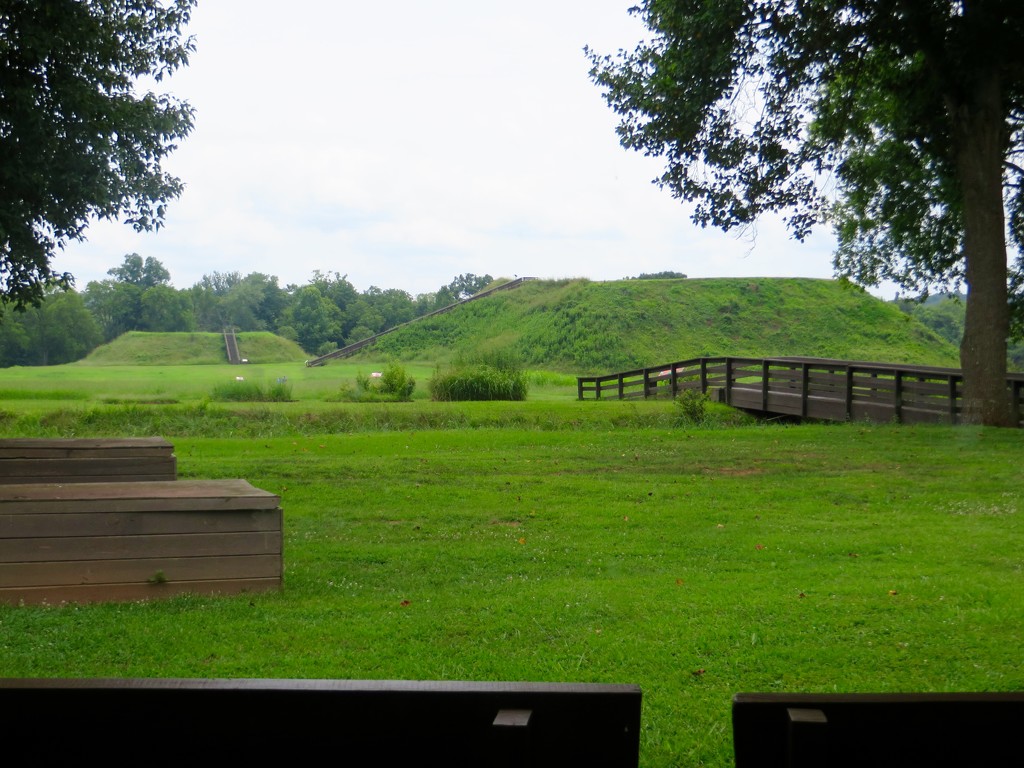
{"x":85,"y":542}
{"x":379,"y":723}
{"x":938,"y":730}
{"x":79,"y":460}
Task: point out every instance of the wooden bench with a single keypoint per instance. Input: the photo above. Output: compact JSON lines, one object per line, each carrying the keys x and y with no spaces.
{"x":938,"y":730}
{"x":44,"y":460}
{"x":85,"y":542}
{"x":376,"y":722}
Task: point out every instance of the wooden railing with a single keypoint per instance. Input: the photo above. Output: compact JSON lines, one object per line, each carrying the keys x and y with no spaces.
{"x":815,"y":388}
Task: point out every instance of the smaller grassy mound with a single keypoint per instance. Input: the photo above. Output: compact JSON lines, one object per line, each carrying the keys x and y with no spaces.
{"x":138,"y":348}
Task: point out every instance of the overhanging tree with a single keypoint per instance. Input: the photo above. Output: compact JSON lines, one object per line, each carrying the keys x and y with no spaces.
{"x":78,"y":140}
{"x":900,"y":122}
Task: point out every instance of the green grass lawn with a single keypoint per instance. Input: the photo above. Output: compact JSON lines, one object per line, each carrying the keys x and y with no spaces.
{"x":594,"y":542}
{"x":80,"y":386}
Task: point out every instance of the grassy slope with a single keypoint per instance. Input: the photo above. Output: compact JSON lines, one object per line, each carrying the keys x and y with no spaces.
{"x":138,"y":348}
{"x":590,"y":327}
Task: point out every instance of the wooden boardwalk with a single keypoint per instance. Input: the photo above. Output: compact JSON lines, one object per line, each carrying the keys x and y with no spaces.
{"x":805,"y":387}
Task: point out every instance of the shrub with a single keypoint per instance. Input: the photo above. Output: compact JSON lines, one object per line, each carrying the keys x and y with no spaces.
{"x":692,"y":407}
{"x":392,"y":385}
{"x":396,"y":382}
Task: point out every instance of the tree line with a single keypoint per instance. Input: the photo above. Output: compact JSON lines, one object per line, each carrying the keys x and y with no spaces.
{"x":322,"y":315}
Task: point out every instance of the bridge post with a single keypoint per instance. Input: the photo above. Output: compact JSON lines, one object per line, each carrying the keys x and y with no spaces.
{"x":805,"y":386}
{"x":849,"y":393}
{"x":764,"y":386}
{"x":579,"y":388}
{"x":728,"y":380}
{"x":674,"y":379}
{"x":897,"y":397}
{"x":704,"y":375}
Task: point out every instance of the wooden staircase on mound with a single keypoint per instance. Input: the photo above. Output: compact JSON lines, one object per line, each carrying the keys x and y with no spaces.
{"x":231,"y":345}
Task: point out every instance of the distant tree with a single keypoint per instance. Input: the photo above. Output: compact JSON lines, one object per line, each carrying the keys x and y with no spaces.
{"x":395,"y":306}
{"x":15,"y":347}
{"x":255,"y":303}
{"x":144,"y":274}
{"x":363,"y":315}
{"x":464,"y":286}
{"x":424,"y":303}
{"x":315,"y":318}
{"x":912,"y":110}
{"x":359,"y":333}
{"x":116,"y":306}
{"x":77,"y":139}
{"x":165,"y":309}
{"x":335,"y":288}
{"x":659,"y":276}
{"x":220,"y":283}
{"x":60,"y":330}
{"x":444,"y":297}
{"x":287,"y":332}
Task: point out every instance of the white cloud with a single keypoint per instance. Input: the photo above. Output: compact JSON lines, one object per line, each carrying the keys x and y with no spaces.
{"x":404,"y":143}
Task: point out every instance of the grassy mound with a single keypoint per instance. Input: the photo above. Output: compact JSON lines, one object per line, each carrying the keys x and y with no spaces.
{"x":588,"y":327}
{"x":138,"y":348}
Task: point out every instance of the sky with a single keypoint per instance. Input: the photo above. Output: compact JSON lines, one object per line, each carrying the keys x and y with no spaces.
{"x":404,"y":143}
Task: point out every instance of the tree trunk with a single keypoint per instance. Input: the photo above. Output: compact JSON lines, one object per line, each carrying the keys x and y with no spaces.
{"x":980,"y":139}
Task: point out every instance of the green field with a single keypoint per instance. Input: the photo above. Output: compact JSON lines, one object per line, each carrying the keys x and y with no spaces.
{"x":557,"y":540}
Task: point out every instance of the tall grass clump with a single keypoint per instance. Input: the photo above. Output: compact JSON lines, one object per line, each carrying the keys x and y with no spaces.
{"x":496,"y":375}
{"x":252,"y":392}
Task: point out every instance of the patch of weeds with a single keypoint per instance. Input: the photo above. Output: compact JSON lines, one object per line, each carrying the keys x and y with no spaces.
{"x":42,"y":394}
{"x":692,"y":407}
{"x":242,"y":391}
{"x":146,"y":401}
{"x":392,"y":385}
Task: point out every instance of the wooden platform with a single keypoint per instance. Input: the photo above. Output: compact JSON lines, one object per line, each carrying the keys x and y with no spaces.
{"x":87,"y":542}
{"x":76,"y":460}
{"x":349,"y":722}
